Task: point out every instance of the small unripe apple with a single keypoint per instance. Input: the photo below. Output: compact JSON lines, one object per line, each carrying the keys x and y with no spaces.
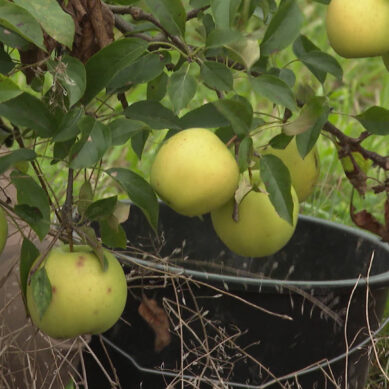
{"x":194,"y":172}
{"x":85,"y":298}
{"x":304,"y":172}
{"x":358,"y":28}
{"x":259,"y":231}
{"x":3,"y":230}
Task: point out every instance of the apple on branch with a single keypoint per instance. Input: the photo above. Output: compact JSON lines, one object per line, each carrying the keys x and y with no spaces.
{"x":85,"y":298}
{"x":358,"y":28}
{"x":259,"y":230}
{"x":194,"y":172}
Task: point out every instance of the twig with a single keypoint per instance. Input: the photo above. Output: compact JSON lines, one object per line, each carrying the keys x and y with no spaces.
{"x":138,"y":15}
{"x":368,"y":321}
{"x":345,"y":331}
{"x":126,"y":28}
{"x":354,"y":144}
{"x":195,"y":12}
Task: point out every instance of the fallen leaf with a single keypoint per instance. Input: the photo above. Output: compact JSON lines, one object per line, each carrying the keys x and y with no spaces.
{"x":156,"y":318}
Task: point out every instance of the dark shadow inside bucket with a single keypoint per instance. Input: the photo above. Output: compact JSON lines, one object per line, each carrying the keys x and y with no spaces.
{"x":273,"y":321}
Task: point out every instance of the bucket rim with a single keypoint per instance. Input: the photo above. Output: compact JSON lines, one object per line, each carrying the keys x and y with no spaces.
{"x":260,"y":282}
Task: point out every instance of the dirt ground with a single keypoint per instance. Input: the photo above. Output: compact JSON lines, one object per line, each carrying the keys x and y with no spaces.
{"x":28,"y":358}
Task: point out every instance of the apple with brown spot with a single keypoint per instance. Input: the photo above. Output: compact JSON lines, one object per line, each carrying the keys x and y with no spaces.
{"x":85,"y":298}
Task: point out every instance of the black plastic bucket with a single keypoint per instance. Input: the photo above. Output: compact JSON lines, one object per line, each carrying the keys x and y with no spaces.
{"x":298,"y":319}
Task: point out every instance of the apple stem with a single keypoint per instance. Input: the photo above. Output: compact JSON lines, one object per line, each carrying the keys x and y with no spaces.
{"x":232,"y":140}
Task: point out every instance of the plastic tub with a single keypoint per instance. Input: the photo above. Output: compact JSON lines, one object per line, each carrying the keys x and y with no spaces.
{"x":299,"y":317}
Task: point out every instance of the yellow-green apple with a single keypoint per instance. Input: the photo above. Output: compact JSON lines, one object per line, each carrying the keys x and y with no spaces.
{"x":358,"y":28}
{"x":85,"y":298}
{"x":194,"y":172}
{"x":259,"y":231}
{"x":3,"y":230}
{"x":304,"y":172}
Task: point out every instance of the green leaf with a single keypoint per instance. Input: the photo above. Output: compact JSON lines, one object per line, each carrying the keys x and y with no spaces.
{"x":145,"y":69}
{"x":221,"y":37}
{"x":307,"y":140}
{"x":123,"y":129}
{"x":303,"y":46}
{"x":8,"y":89}
{"x":246,"y":50}
{"x":181,"y":88}
{"x":68,"y":126}
{"x":288,"y":77}
{"x":245,"y":153}
{"x":276,"y":178}
{"x":101,"y":209}
{"x":139,"y":191}
{"x":14,"y":157}
{"x":153,"y":114}
{"x":53,"y":19}
{"x":238,"y":112}
{"x":138,"y":142}
{"x":28,"y":254}
{"x":14,"y":40}
{"x":73,"y":78}
{"x":30,"y":194}
{"x":283,"y":28}
{"x":6,"y":63}
{"x":171,"y":14}
{"x":17,"y":19}
{"x":316,"y":110}
{"x":102,"y":67}
{"x":62,"y":150}
{"x":96,"y":139}
{"x":85,"y":197}
{"x":323,"y":62}
{"x":274,"y":89}
{"x":157,"y":88}
{"x":32,"y":215}
{"x":41,"y":290}
{"x":112,"y":233}
{"x":280,"y":141}
{"x":206,"y":116}
{"x":27,"y":111}
{"x":216,"y":75}
{"x":224,"y":12}
{"x":375,"y":119}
